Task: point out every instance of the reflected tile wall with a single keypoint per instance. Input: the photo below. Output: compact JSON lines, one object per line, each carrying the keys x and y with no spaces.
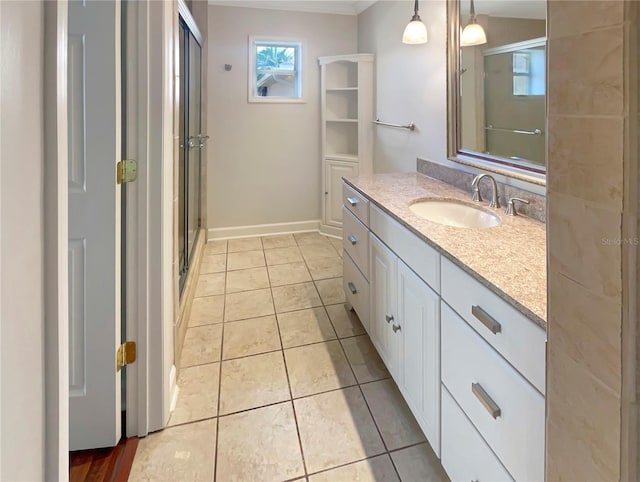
{"x":588,"y":94}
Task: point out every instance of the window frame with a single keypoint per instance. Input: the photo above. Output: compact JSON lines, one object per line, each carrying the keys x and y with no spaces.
{"x":297,"y":44}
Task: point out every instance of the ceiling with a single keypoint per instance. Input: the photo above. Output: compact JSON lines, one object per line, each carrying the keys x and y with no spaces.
{"x":341,"y":7}
{"x":508,"y":8}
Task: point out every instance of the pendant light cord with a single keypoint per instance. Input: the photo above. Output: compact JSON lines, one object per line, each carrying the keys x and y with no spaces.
{"x":415,"y":12}
{"x":472,"y":12}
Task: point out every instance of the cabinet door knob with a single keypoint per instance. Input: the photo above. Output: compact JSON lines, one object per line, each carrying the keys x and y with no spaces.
{"x":352,"y":287}
{"x":353,"y":239}
{"x":486,"y":319}
{"x":396,"y":328}
{"x":353,"y":201}
{"x":389,"y":318}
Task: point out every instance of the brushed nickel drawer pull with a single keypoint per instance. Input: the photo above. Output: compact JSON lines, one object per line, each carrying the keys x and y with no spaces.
{"x":352,"y":287}
{"x":353,"y":239}
{"x":389,"y":318}
{"x":353,"y":201}
{"x":488,"y":403}
{"x":486,"y":319}
{"x":396,"y":328}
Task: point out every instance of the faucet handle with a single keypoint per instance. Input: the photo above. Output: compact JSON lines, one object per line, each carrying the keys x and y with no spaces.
{"x":511,"y":209}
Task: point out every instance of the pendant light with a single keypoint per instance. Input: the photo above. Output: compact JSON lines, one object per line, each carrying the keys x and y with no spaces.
{"x":415,"y":32}
{"x":473,"y":33}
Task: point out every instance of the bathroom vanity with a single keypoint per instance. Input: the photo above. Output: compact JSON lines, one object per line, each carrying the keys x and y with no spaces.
{"x":458,"y":316}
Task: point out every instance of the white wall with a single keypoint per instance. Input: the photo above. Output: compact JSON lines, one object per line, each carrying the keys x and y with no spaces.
{"x":22,"y":401}
{"x":411,"y":83}
{"x":264,"y":159}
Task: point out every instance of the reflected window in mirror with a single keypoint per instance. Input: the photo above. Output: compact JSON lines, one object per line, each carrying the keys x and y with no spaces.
{"x":497,"y":90}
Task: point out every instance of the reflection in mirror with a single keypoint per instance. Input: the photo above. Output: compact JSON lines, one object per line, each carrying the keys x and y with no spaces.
{"x":502,"y":84}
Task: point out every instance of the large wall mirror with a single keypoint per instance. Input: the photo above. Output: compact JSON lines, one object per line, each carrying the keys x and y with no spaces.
{"x":497,"y":85}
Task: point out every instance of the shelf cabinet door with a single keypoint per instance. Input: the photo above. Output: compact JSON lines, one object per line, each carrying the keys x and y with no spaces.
{"x":419,"y":352}
{"x":382,"y":270}
{"x":334,"y":172}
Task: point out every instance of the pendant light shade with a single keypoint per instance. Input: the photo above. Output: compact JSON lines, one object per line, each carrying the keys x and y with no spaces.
{"x":415,"y":32}
{"x":473,"y":33}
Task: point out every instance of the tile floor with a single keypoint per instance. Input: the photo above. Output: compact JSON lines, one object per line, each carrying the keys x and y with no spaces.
{"x":278,"y":381}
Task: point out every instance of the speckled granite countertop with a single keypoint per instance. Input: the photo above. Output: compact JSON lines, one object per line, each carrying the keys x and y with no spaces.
{"x":510,"y":259}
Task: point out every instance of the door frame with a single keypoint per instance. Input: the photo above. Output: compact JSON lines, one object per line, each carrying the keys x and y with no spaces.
{"x":149,"y":213}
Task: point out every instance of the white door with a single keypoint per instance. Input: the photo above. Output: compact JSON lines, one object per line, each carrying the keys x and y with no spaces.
{"x":419,"y":354}
{"x":382,"y":272}
{"x":94,"y":223}
{"x":334,"y":172}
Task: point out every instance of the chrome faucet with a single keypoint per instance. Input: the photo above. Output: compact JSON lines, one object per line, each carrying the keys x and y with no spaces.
{"x":475,"y":190}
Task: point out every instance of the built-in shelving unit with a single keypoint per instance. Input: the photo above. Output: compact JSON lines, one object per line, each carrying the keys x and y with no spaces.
{"x":347,"y":139}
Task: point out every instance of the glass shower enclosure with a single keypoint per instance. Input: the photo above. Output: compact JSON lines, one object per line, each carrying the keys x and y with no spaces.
{"x":190,"y":151}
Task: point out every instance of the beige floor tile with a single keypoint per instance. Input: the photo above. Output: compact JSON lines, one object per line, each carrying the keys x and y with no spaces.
{"x":252,"y":382}
{"x":202,"y":344}
{"x":364,"y":359}
{"x":207,"y":310}
{"x":331,"y":291}
{"x":395,"y":421}
{"x":419,"y":463}
{"x":283,"y":255}
{"x":245,"y":260}
{"x":198,"y":395}
{"x":259,"y":445}
{"x":244,"y":244}
{"x":210,"y":284}
{"x":304,"y":327}
{"x":295,"y":297}
{"x":304,"y":239}
{"x":376,"y":469}
{"x":313,"y":251}
{"x":215,"y":247}
{"x":247,"y":280}
{"x":337,"y":245}
{"x":336,"y":428}
{"x":345,"y":322}
{"x":288,"y":274}
{"x":278,"y":241}
{"x":318,"y":368}
{"x":182,"y":453}
{"x":323,"y":268}
{"x":248,"y":304}
{"x":250,"y":337}
{"x":213,"y":263}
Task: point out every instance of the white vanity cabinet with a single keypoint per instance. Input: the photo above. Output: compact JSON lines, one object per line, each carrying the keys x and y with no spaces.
{"x":404,"y":326}
{"x":469,"y":365}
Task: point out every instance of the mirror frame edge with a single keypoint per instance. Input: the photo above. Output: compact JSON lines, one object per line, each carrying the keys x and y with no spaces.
{"x":454,"y":152}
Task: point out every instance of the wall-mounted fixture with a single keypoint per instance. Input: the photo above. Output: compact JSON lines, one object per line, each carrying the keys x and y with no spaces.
{"x":415,"y":32}
{"x":473,"y":33}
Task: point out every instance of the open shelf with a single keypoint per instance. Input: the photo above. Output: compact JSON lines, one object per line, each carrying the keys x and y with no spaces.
{"x":342,"y":139}
{"x":342,"y":157}
{"x":341,"y":104}
{"x":342,"y":120}
{"x":341,"y":74}
{"x":343,"y":89}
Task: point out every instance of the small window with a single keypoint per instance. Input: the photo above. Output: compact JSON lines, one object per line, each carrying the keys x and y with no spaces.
{"x":529,"y":72}
{"x":275,"y":71}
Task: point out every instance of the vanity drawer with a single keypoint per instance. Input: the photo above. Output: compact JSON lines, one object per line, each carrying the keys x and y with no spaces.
{"x":506,"y":409}
{"x":519,"y":340}
{"x":416,"y":253}
{"x":355,"y":240}
{"x":356,"y":203}
{"x":356,"y":289}
{"x":465,"y":455}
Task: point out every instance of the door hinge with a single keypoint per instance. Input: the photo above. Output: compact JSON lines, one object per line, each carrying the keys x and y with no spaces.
{"x":126,"y":354}
{"x":126,"y":171}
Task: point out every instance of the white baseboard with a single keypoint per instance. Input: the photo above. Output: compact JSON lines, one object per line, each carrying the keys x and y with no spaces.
{"x":262,"y":230}
{"x":332,"y":231}
{"x":174,"y":390}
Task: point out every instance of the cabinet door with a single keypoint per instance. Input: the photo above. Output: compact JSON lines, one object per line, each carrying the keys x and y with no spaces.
{"x":333,"y":174}
{"x":419,"y":351}
{"x":382,"y":270}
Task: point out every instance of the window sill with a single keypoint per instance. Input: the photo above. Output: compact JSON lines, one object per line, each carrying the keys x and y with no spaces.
{"x":275,"y":100}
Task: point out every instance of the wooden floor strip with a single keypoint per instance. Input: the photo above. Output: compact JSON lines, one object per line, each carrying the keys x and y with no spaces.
{"x":110,"y":464}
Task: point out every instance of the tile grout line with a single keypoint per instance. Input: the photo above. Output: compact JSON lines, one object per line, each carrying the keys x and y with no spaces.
{"x":224,"y":308}
{"x":286,"y":372}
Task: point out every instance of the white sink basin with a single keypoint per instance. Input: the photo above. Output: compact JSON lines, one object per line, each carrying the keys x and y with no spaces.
{"x":454,"y":213}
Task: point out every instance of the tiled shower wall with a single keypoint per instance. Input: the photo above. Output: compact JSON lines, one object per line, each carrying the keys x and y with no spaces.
{"x":592,"y":227}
